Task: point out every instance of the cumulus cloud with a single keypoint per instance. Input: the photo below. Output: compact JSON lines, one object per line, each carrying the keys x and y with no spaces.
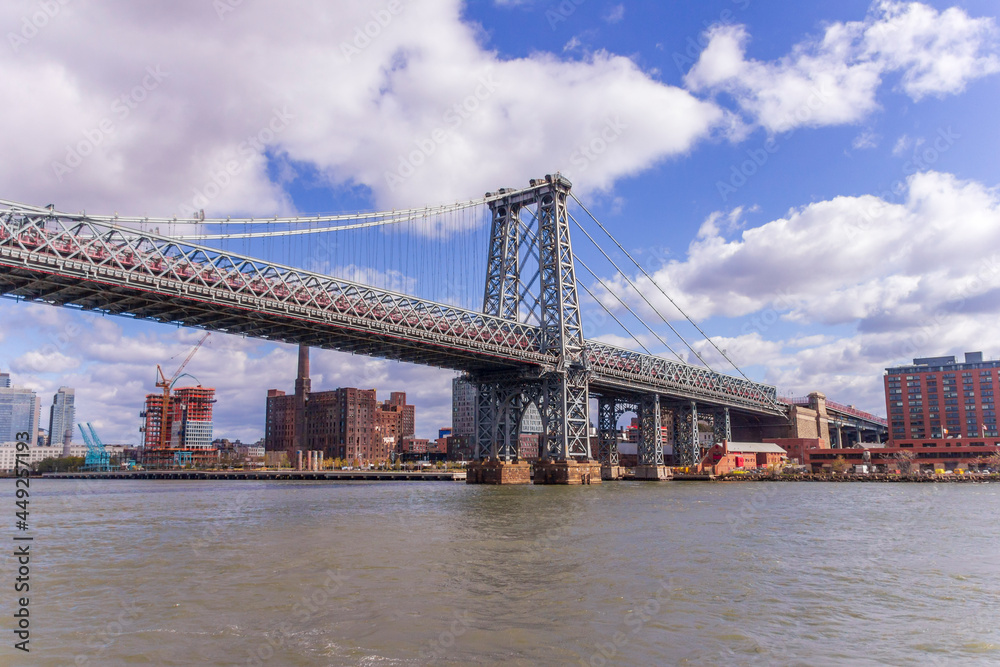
{"x":615,"y":14}
{"x":193,"y":107}
{"x":845,"y":259}
{"x":833,"y":79}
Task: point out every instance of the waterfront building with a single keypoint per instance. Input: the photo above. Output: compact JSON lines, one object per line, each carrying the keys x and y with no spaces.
{"x":62,"y":418}
{"x":936,"y":399}
{"x":724,"y":457}
{"x":188,"y":419}
{"x":949,"y":454}
{"x":346,"y":423}
{"x":460,"y":447}
{"x":8,"y":454}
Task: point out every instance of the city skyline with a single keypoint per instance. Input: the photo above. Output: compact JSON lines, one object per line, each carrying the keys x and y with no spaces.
{"x":815,"y":185}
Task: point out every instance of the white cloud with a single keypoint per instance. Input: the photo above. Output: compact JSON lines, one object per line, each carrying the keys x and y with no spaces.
{"x":420,"y":113}
{"x":845,"y":259}
{"x":41,"y":362}
{"x":833,"y":79}
{"x":615,"y":14}
{"x":865,"y":140}
{"x":902,"y":145}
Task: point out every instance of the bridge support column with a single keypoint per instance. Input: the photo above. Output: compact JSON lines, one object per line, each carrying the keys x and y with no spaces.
{"x":650,"y":451}
{"x":722,"y":429}
{"x":565,"y":456}
{"x":609,"y":411}
{"x":500,"y":406}
{"x":687,"y":451}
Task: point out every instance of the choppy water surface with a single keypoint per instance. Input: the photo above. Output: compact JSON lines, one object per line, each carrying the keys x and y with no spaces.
{"x":234,"y":573}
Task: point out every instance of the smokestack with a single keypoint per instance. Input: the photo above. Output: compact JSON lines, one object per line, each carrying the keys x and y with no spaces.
{"x":302,"y":381}
{"x":67,"y":441}
{"x":302,"y":389}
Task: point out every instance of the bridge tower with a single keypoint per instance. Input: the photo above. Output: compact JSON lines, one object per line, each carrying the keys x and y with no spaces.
{"x":531,"y":277}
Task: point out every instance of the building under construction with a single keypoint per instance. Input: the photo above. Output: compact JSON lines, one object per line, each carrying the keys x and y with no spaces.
{"x":178,"y":422}
{"x":186,"y":435}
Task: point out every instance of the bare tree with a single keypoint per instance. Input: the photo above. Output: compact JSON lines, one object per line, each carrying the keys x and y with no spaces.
{"x":904,"y":460}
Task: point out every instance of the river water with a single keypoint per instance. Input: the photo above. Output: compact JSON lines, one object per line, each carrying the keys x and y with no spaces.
{"x":399,"y":573}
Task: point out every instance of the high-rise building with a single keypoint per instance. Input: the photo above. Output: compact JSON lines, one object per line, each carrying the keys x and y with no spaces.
{"x":4,"y":380}
{"x":346,"y":423}
{"x":463,"y":408}
{"x":62,"y":418}
{"x":19,"y":410}
{"x":531,"y":421}
{"x":938,"y":398}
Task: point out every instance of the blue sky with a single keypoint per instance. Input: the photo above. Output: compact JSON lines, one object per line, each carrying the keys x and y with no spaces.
{"x":815,"y":183}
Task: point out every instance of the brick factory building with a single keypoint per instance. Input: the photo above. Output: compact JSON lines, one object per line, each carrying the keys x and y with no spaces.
{"x":345,"y":423}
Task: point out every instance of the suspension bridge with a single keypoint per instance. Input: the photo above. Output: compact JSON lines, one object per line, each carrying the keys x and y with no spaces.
{"x":525,"y":345}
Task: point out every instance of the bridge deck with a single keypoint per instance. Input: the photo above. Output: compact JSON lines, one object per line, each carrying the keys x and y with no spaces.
{"x":76,"y":262}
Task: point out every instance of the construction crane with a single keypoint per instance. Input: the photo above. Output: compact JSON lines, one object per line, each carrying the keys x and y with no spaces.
{"x":98,"y":459}
{"x":163,"y":383}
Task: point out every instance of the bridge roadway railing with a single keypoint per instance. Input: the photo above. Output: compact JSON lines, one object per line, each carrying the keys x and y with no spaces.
{"x":846,"y":410}
{"x":610,"y":363}
{"x":104,"y":253}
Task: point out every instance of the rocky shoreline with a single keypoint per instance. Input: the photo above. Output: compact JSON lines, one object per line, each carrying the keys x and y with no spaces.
{"x":861,"y":477}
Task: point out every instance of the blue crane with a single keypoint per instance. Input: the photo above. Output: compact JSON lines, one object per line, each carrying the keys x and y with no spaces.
{"x":98,"y":459}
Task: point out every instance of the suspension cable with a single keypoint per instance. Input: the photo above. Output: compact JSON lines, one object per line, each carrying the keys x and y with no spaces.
{"x":658,"y":337}
{"x":639,"y":292}
{"x":657,"y":285}
{"x":199,"y":219}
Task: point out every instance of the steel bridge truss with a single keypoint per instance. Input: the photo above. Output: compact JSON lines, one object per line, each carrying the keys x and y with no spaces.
{"x":609,"y":410}
{"x":564,"y":389}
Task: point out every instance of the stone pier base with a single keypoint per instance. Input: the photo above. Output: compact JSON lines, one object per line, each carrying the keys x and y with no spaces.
{"x":498,"y":472}
{"x":653,"y":473}
{"x":567,"y":472}
{"x":612,"y":472}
